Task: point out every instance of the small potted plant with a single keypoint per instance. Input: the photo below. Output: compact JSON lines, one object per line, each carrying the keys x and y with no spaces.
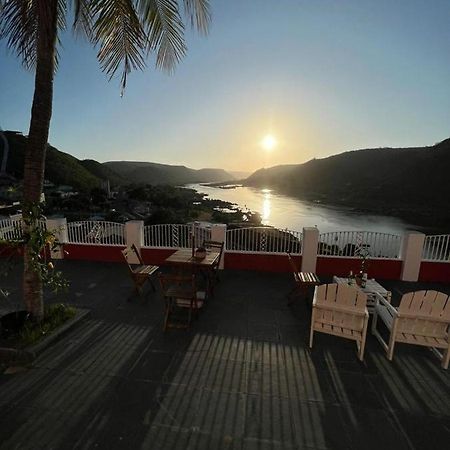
{"x":362,"y":250}
{"x":200,"y":253}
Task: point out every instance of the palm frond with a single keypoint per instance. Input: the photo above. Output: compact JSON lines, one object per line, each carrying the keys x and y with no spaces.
{"x":198,"y":12}
{"x":165,"y":30}
{"x":83,"y":19}
{"x":121,"y":37}
{"x":19,"y":25}
{"x":61,"y":25}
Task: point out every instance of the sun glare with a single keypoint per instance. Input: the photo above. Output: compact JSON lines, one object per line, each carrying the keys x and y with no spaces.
{"x":269,"y":142}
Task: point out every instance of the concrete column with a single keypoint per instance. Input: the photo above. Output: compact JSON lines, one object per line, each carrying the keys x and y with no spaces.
{"x":59,"y":228}
{"x":134,"y":234}
{"x":219,"y":234}
{"x":411,"y":255}
{"x":309,"y":249}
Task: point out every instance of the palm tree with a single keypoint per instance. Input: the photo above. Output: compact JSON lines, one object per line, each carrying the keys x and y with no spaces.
{"x":125,"y":33}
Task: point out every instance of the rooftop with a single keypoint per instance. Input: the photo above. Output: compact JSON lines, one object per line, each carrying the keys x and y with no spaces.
{"x":241,"y":378}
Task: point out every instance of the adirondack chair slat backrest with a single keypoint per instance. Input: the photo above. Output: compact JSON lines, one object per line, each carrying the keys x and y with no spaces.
{"x":424,"y":313}
{"x":346,"y":297}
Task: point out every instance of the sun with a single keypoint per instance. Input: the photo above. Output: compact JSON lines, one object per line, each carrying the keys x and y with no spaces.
{"x":269,"y":142}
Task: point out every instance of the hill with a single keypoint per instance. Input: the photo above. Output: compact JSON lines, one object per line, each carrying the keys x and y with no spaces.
{"x":153,"y":173}
{"x":83,"y":175}
{"x":407,"y":182}
{"x":103,"y":172}
{"x":60,"y":167}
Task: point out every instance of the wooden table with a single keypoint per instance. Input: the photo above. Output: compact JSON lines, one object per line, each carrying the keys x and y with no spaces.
{"x":372,"y":288}
{"x":183,"y":259}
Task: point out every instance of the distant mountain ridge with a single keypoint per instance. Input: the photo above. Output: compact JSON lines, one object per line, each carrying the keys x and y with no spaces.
{"x":397,"y":181}
{"x":154,"y":173}
{"x":83,"y":175}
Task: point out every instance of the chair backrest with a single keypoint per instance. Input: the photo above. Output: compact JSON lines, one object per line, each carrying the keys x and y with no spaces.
{"x":425,"y":313}
{"x":340,"y":294}
{"x":131,"y":254}
{"x":215,"y":245}
{"x":184,"y":283}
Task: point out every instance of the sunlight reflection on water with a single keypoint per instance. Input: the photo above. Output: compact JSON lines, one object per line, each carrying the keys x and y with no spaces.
{"x":282,"y":211}
{"x":265,"y":217}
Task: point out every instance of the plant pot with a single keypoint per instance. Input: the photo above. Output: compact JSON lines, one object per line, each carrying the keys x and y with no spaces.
{"x":200,"y":254}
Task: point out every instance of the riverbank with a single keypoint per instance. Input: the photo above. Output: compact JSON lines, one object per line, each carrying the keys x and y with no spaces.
{"x":288,"y":211}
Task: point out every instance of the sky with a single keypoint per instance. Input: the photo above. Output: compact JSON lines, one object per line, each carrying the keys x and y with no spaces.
{"x":320,"y":76}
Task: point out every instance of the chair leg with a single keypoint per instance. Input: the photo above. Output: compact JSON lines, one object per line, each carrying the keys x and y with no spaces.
{"x":311,"y":333}
{"x":363,"y":341}
{"x":390,"y":350}
{"x":166,"y":316}
{"x":446,"y":358}
{"x":374,"y":321}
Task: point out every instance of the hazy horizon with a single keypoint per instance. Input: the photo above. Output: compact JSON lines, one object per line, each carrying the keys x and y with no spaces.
{"x":321,"y":77}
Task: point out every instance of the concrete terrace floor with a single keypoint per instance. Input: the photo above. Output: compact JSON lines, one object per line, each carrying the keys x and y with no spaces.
{"x":242,"y":378}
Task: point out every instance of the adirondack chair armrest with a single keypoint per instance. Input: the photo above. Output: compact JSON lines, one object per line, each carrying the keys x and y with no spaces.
{"x":383,"y":302}
{"x":342,"y":309}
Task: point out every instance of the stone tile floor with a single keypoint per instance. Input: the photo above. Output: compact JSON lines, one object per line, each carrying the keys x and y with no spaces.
{"x":242,"y":378}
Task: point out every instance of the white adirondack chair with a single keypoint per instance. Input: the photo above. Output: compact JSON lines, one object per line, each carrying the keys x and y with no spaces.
{"x":423,"y":318}
{"x":340,"y":310}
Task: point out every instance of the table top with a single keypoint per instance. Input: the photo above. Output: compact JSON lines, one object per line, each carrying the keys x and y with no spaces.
{"x":372,"y":286}
{"x":184,"y":256}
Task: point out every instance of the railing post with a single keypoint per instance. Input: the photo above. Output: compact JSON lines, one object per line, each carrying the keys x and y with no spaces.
{"x":134,"y":234}
{"x":411,"y":255}
{"x":309,"y":249}
{"x":59,"y":228}
{"x":219,"y":233}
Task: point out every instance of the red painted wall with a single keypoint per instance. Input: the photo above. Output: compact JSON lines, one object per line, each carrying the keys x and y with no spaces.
{"x":383,"y":269}
{"x":254,"y":261}
{"x":386,"y":269}
{"x":435,"y":271}
{"x":155,"y":256}
{"x":93,"y":252}
{"x":112,"y":253}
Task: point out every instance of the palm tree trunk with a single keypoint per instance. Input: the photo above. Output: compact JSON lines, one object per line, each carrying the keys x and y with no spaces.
{"x":41,"y":114}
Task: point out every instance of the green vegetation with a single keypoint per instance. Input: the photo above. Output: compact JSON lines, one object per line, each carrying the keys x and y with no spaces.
{"x":55,"y":315}
{"x":60,"y":168}
{"x":85,"y":175}
{"x":152,"y":173}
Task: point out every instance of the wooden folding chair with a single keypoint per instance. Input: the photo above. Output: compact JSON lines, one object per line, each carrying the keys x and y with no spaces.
{"x":180,"y":293}
{"x":214,"y":273}
{"x":340,"y":310}
{"x":303,"y":280}
{"x":139,"y":271}
{"x":423,"y":318}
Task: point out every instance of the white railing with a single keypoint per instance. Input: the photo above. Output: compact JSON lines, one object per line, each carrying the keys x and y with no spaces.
{"x":436,"y":248}
{"x":11,"y":230}
{"x":96,"y":232}
{"x":174,"y":235}
{"x":348,"y":243}
{"x":264,"y":240}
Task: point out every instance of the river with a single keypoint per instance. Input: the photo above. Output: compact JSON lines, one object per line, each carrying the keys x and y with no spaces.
{"x":282,"y":211}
